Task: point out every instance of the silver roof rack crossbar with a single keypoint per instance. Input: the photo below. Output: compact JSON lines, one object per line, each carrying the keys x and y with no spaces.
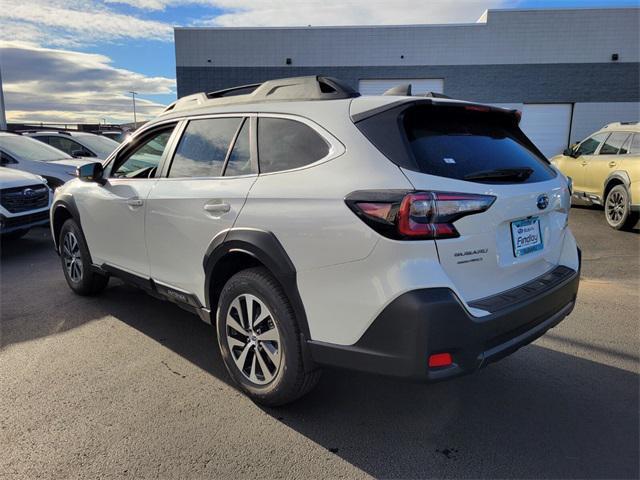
{"x":286,"y":89}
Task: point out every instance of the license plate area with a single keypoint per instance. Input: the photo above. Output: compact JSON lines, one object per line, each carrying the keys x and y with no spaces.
{"x":526,"y":236}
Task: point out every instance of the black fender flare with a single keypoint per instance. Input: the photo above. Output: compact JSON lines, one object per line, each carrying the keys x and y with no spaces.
{"x":265,"y":248}
{"x":619,"y":175}
{"x":68,"y":203}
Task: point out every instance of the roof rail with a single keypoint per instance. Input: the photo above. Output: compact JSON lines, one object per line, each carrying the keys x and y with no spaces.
{"x":619,"y":124}
{"x":50,"y":130}
{"x":285,"y":89}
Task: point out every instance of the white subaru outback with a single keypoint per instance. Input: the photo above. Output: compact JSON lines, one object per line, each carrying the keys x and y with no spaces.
{"x":409,"y":236}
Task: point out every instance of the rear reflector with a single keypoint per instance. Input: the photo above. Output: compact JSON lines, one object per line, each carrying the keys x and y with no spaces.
{"x":440,"y":360}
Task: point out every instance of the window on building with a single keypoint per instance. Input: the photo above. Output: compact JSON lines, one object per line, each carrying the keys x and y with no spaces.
{"x":284,"y":144}
{"x":203,"y":147}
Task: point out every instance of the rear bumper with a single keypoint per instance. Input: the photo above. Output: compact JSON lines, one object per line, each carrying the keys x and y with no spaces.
{"x":12,"y":224}
{"x":423,"y":322}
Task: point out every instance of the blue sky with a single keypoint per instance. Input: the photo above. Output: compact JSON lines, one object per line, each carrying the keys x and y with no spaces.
{"x":76,"y":59}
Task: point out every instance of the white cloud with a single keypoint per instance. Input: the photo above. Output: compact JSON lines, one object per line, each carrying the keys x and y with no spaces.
{"x":156,"y":5}
{"x":44,"y":84}
{"x":348,"y":12}
{"x":74,"y":22}
{"x":326,"y":12}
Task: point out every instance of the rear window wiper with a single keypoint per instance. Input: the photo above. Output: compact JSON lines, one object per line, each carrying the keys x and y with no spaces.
{"x":503,"y":174}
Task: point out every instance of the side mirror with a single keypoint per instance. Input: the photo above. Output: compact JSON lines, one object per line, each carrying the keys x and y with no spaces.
{"x":572,"y":151}
{"x":91,"y":172}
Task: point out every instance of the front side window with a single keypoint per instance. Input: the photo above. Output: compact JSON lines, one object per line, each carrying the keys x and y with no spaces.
{"x":590,"y":145}
{"x":69,"y":146}
{"x":203,"y":147}
{"x":143,"y":160}
{"x":614,"y":143}
{"x":284,"y":144}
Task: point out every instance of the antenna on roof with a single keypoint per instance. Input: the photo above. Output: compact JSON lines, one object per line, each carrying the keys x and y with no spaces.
{"x":401,"y":90}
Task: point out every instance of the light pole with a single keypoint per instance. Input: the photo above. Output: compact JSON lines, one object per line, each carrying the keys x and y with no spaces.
{"x":135,"y":120}
{"x":3,"y":117}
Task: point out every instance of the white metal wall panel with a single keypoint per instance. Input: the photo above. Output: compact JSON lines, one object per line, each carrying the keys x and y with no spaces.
{"x":547,"y":125}
{"x":418,"y":85}
{"x":590,"y":117}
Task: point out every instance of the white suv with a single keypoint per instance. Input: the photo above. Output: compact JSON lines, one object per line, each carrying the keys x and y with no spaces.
{"x":410,"y":236}
{"x":24,"y":202}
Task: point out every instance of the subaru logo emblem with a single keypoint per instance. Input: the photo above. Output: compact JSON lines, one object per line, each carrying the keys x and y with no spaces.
{"x":543,"y":201}
{"x":28,"y":192}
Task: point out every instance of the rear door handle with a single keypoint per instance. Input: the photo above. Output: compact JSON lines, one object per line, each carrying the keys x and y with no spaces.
{"x":584,"y":163}
{"x":219,"y":207}
{"x":612,"y":163}
{"x":135,"y":202}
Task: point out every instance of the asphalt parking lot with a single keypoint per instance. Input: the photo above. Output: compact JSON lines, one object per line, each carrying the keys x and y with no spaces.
{"x":127,"y":385}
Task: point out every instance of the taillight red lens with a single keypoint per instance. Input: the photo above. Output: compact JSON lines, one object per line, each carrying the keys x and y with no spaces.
{"x":431,"y":214}
{"x":416,"y":215}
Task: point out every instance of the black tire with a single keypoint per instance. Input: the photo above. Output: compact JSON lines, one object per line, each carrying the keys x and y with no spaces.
{"x":617,"y":209}
{"x":88,"y":282}
{"x":15,"y":235}
{"x":291,"y":378}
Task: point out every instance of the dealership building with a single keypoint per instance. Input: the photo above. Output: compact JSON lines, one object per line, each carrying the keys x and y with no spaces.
{"x":570,"y":71}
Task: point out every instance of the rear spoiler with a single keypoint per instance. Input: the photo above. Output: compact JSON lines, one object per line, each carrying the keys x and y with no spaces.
{"x":437,"y":102}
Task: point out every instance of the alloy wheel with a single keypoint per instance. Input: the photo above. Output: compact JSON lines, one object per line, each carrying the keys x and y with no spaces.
{"x":615,"y":207}
{"x":253,"y":339}
{"x":72,"y":257}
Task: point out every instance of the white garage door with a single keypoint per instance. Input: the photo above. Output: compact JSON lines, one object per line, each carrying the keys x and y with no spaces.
{"x":419,"y":86}
{"x":547,"y":125}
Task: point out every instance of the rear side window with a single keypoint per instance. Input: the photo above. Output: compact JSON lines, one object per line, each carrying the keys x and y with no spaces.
{"x":284,"y":144}
{"x":613,"y":144}
{"x":472,"y":145}
{"x":634,"y":149}
{"x":239,"y":162}
{"x":203,"y":147}
{"x":590,"y":145}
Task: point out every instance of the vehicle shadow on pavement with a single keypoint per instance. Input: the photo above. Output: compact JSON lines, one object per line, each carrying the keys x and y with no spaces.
{"x":540,"y":406}
{"x":552,"y":414}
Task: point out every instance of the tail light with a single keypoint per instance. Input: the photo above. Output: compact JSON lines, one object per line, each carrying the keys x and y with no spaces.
{"x":406,"y":215}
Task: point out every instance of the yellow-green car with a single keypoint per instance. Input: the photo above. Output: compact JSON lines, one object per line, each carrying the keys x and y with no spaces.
{"x":605,"y":170}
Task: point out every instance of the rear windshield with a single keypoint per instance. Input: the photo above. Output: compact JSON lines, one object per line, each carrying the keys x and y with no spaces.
{"x":470,"y":145}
